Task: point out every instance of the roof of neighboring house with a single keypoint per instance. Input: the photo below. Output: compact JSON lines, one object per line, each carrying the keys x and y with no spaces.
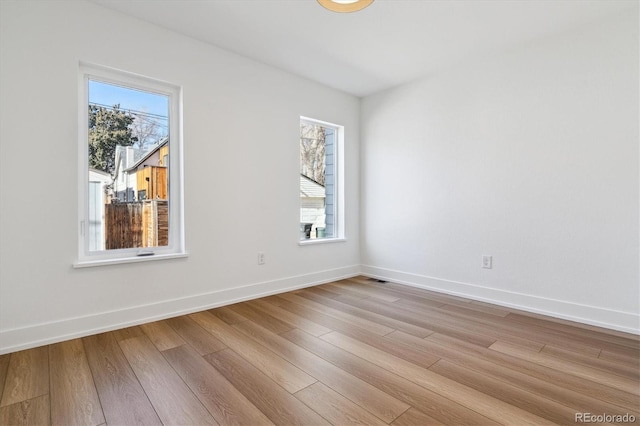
{"x":96,"y":175}
{"x":310,"y":188}
{"x":148,"y":154}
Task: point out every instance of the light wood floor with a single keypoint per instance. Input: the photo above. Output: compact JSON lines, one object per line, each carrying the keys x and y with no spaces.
{"x":350,"y":352}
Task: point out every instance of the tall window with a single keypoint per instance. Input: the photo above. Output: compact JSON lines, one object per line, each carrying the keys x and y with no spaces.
{"x":130,"y":187}
{"x":320,"y":207}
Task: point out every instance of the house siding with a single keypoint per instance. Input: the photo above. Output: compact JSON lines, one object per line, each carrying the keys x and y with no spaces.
{"x":329,"y":184}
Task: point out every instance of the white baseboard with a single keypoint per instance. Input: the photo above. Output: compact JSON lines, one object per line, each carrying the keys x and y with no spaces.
{"x":616,"y":320}
{"x":13,"y":340}
{"x":70,"y":328}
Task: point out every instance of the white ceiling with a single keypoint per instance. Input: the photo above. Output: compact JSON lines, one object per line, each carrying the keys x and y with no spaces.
{"x":389,"y":43}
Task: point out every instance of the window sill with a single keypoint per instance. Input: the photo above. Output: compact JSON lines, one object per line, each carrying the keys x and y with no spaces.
{"x":321,"y":241}
{"x":116,"y":261}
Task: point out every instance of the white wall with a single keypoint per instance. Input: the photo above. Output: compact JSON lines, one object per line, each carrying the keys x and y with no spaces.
{"x":530,"y":156}
{"x":241,"y":122}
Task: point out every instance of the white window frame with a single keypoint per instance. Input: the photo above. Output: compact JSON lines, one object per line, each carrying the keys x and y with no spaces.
{"x":176,"y":247}
{"x":339,"y":204}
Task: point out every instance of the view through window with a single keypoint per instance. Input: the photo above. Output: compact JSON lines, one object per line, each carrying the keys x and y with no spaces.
{"x":317,"y":180}
{"x":128,"y":160}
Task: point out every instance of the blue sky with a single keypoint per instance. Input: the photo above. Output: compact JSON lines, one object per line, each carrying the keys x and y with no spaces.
{"x":136,"y":100}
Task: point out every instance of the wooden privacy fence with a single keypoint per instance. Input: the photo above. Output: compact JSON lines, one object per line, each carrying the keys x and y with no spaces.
{"x":136,"y":224}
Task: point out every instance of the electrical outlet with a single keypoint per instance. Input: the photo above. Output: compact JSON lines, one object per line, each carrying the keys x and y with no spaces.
{"x":487,"y":262}
{"x":261,"y":260}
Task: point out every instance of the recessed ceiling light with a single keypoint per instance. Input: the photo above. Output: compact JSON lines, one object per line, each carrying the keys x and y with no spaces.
{"x":345,"y":6}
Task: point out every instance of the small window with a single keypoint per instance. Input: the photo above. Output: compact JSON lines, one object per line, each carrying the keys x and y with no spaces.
{"x":130,"y":188}
{"x":320,"y":181}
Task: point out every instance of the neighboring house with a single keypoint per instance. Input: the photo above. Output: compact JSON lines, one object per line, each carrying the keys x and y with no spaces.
{"x":151,"y":172}
{"x":141,"y":175}
{"x":99,"y":182}
{"x":124,"y":185}
{"x":312,"y":203}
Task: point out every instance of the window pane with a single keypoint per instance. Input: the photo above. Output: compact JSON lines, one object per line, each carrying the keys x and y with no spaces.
{"x":128,"y":167}
{"x":317,"y":181}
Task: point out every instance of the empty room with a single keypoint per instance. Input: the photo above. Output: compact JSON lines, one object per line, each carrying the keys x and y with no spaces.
{"x":310,"y":212}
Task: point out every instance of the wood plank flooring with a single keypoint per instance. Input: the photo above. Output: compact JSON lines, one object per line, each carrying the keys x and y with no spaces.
{"x":352,"y":352}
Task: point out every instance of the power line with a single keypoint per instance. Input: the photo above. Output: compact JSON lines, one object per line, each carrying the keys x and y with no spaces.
{"x":152,"y":121}
{"x":134,"y":111}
